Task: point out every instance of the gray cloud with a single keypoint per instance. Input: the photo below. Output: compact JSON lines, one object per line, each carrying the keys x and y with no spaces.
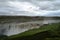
{"x":30,"y":7}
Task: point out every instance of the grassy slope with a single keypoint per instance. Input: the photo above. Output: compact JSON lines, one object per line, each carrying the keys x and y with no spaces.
{"x":48,"y":32}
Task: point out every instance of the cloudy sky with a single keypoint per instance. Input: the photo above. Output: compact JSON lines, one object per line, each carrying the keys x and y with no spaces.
{"x":30,"y":7}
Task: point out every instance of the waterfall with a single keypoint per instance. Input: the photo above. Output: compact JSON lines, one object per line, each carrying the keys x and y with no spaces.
{"x":15,"y":28}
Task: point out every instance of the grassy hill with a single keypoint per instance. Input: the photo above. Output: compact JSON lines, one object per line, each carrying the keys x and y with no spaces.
{"x":45,"y":32}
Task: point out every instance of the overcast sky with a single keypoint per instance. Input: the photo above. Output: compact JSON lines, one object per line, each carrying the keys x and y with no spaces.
{"x":30,"y":7}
